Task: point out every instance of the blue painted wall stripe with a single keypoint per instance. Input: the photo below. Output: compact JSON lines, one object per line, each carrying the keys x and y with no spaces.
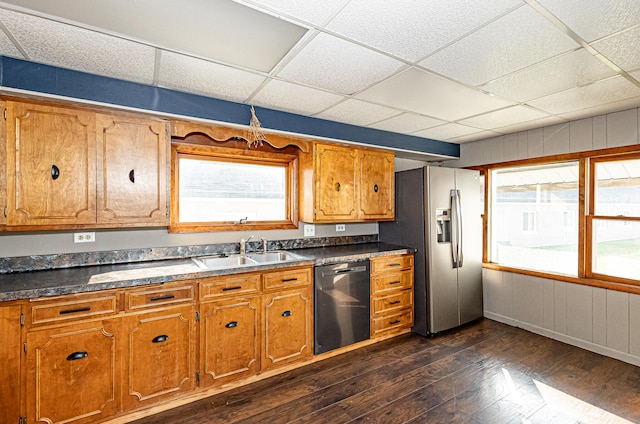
{"x":30,"y":76}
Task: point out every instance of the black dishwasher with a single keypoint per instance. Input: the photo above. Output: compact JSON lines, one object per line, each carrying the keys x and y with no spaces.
{"x":342,"y":303}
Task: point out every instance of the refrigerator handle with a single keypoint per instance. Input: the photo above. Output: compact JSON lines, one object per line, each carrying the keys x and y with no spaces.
{"x":459,"y":229}
{"x":454,"y":228}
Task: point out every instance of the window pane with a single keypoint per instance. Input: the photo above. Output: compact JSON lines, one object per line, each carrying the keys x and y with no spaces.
{"x":616,"y":251}
{"x":618,"y":188}
{"x":533,"y":217}
{"x":215,"y":191}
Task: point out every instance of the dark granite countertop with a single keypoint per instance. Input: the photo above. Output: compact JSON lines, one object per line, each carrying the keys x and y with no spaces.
{"x":35,"y":284}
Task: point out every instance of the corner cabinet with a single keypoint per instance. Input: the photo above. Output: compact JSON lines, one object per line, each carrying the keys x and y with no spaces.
{"x":343,"y":184}
{"x":69,"y":167}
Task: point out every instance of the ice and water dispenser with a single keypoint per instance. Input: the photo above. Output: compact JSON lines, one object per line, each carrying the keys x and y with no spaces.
{"x":443,"y":225}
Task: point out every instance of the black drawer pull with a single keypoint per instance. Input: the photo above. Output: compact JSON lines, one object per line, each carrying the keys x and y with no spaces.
{"x":394,"y":282}
{"x":394,"y":265}
{"x":338,"y":186}
{"x":55,"y":172}
{"x":232,"y":324}
{"x":289,"y":279}
{"x":165,"y":297}
{"x":159,"y":339}
{"x":394,"y":322}
{"x":231,"y":288}
{"x":287,"y":313}
{"x":73,"y":311}
{"x":375,"y":188}
{"x":77,"y":355}
{"x":132,"y":175}
{"x":395,"y":302}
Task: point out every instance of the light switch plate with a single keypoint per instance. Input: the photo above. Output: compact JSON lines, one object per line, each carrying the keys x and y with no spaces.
{"x":340,"y":227}
{"x":84,"y":237}
{"x":309,"y":230}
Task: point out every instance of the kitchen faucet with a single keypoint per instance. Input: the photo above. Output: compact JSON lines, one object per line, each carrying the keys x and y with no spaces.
{"x":243,"y":244}
{"x":264,"y":244}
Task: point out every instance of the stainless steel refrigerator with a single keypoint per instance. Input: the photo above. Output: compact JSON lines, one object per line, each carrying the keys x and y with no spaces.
{"x":438,"y":213}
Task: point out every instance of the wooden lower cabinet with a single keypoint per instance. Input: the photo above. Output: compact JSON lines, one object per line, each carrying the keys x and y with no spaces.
{"x":229,"y":340}
{"x":391,"y":294}
{"x":10,"y":355}
{"x":160,"y":356}
{"x":287,"y":327}
{"x":72,"y":373}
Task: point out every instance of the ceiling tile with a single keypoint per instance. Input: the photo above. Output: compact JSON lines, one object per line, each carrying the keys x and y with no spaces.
{"x":7,"y":48}
{"x":504,"y":117}
{"x":560,"y":73}
{"x":632,"y":102}
{"x":316,"y":12}
{"x":622,"y":49}
{"x":523,"y":126}
{"x":357,"y":112}
{"x":519,"y":39}
{"x":220,"y":30}
{"x":334,"y":64}
{"x":593,"y":19}
{"x":600,"y":93}
{"x":412,"y":29}
{"x":407,"y":123}
{"x":447,"y":132}
{"x":474,"y":137}
{"x":428,"y":94}
{"x":198,"y":76}
{"x":70,"y":47}
{"x":294,"y":98}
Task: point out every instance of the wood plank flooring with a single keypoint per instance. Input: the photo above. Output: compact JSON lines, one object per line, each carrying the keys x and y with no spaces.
{"x":485,"y":372}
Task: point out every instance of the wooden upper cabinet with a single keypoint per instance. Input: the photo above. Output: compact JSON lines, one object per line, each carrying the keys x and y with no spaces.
{"x":335,"y":173}
{"x":132,"y":170}
{"x":346,"y":185}
{"x":51,"y":165}
{"x":377,"y":185}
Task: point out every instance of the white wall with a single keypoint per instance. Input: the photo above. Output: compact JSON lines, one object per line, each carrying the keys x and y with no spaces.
{"x":600,"y":320}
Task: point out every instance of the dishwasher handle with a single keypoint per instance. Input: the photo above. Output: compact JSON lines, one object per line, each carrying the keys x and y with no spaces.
{"x":345,"y":270}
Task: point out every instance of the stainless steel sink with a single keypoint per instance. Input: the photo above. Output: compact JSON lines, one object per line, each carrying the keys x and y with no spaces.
{"x":237,"y":260}
{"x":218,"y":262}
{"x":276,"y":256}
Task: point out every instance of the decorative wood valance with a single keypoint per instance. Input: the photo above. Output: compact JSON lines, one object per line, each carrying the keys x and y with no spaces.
{"x":182,"y":129}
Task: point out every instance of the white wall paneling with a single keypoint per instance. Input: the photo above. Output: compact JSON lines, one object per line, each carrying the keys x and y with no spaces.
{"x":622,"y":128}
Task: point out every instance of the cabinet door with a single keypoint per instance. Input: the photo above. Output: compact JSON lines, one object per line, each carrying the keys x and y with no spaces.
{"x":132,"y":170}
{"x":10,"y":353}
{"x":51,"y":165}
{"x":230,"y":346}
{"x":335,"y":170}
{"x":376,"y":182}
{"x":161,"y":356}
{"x":71,"y":373}
{"x":287,"y":324}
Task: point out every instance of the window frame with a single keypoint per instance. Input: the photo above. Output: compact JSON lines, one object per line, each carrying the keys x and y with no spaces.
{"x":225,"y":154}
{"x":585,"y":218}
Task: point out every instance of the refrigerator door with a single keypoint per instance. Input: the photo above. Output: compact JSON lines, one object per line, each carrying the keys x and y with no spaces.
{"x":442,"y":279}
{"x":470,"y":273}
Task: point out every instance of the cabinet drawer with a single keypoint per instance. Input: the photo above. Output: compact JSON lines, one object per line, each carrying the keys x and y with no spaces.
{"x":393,"y":302}
{"x":72,"y":307}
{"x":391,"y":263}
{"x":159,"y":296}
{"x":287,"y":278}
{"x":231,"y":285}
{"x":393,"y":281}
{"x":399,"y":320}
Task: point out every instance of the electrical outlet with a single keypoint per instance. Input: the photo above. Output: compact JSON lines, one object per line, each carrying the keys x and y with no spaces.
{"x":340,"y":227}
{"x":84,"y":237}
{"x":309,"y":230}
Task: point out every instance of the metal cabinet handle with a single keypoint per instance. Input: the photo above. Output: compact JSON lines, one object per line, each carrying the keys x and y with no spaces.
{"x":289,"y":279}
{"x":394,"y":282}
{"x":231,"y":288}
{"x":77,"y":355}
{"x":132,"y":176}
{"x":73,"y":311}
{"x":55,"y":172}
{"x":338,"y":186}
{"x":375,"y":188}
{"x":395,"y":302}
{"x":396,"y":264}
{"x":165,"y":297}
{"x":159,"y":339}
{"x":232,"y":324}
{"x":287,"y":313}
{"x":394,"y":322}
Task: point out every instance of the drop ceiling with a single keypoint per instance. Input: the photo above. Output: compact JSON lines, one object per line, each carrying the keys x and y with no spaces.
{"x":450,"y":70}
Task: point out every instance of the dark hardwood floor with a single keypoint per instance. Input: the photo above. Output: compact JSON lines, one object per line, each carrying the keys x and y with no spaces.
{"x":485,"y":372}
